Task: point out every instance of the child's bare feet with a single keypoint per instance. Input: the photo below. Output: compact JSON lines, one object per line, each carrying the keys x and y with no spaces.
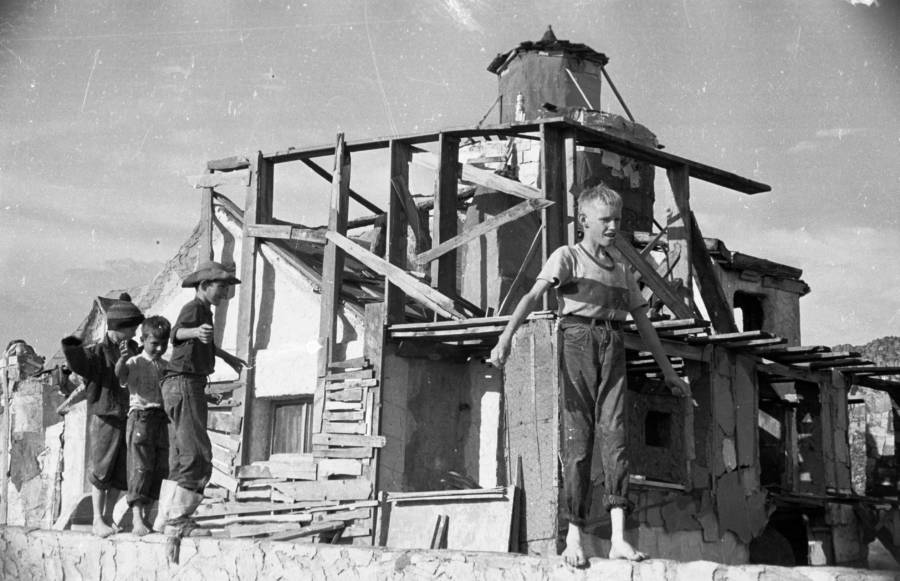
{"x":139,"y":526}
{"x":101,"y":529}
{"x":574,"y":552}
{"x":623,"y":550}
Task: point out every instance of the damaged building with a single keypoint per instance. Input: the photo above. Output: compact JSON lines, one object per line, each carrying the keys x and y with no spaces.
{"x":369,"y":415}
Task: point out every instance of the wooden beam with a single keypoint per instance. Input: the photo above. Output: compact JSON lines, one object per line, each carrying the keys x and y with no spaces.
{"x":446,"y":192}
{"x":258,"y":210}
{"x":217,"y":179}
{"x":790,"y":372}
{"x":400,"y":189}
{"x":206,"y":224}
{"x":652,"y":279}
{"x":287,"y":232}
{"x":719,"y":309}
{"x":483,"y":177}
{"x":228,"y":163}
{"x":396,"y":276}
{"x":482,"y":228}
{"x":679,"y":231}
{"x":397,"y":224}
{"x":553,"y":188}
{"x":333,"y":260}
{"x":672,"y":348}
{"x":322,"y":172}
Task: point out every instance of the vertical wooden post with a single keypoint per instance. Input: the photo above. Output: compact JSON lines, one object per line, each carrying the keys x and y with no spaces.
{"x":397,"y":227}
{"x":680,"y":230}
{"x":206,"y":223}
{"x":443,"y":270}
{"x":5,"y":439}
{"x":258,"y":210}
{"x":553,"y":185}
{"x":571,"y":188}
{"x":333,"y":261}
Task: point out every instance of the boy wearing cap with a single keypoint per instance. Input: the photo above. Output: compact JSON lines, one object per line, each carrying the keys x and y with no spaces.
{"x":595,"y":293}
{"x":107,"y":406}
{"x":184,"y":397}
{"x":147,"y":428}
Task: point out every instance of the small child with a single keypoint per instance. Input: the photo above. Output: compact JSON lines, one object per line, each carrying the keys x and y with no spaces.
{"x":107,"y":406}
{"x":595,"y":294}
{"x":184,"y":397}
{"x":147,"y":429}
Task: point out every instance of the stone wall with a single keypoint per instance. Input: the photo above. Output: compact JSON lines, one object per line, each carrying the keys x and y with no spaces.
{"x":71,"y":555}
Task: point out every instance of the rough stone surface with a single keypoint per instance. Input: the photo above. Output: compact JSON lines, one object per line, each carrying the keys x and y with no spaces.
{"x":49,"y":555}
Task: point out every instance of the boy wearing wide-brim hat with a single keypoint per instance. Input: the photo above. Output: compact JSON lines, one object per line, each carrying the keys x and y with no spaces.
{"x":107,"y":404}
{"x":184,"y":397}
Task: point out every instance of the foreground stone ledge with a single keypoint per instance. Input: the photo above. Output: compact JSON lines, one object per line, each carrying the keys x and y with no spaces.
{"x":51,"y":555}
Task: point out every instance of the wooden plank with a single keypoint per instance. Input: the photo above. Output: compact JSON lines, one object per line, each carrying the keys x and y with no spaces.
{"x":482,"y":228}
{"x":244,"y":531}
{"x":344,"y":427}
{"x":400,"y":189}
{"x":218,"y":179}
{"x":781,"y":370}
{"x":349,"y":440}
{"x":224,"y":480}
{"x":355,"y":363}
{"x":252,"y":471}
{"x":339,"y":385}
{"x":553,"y":189}
{"x":309,"y":530}
{"x":355,"y":416}
{"x":679,"y":233}
{"x":357,"y":374}
{"x":228,"y":164}
{"x":731,"y":337}
{"x":653,"y":280}
{"x":257,"y":210}
{"x":672,"y":348}
{"x":450,"y":333}
{"x":397,"y":224}
{"x":717,"y":306}
{"x":287,"y":232}
{"x":223,"y":421}
{"x":343,"y":405}
{"x":484,"y":178}
{"x":350,"y":394}
{"x":323,"y":452}
{"x":333,"y":260}
{"x":206,"y":224}
{"x":443,"y":273}
{"x":347,"y":489}
{"x":398,"y":277}
{"x":224,"y":441}
{"x":322,"y":172}
{"x":297,"y":471}
{"x":339,"y":467}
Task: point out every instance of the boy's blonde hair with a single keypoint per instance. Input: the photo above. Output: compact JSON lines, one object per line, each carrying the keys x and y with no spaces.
{"x":600,"y":194}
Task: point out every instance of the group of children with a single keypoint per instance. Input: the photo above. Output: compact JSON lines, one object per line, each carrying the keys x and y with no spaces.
{"x":595,"y":290}
{"x":147,"y":426}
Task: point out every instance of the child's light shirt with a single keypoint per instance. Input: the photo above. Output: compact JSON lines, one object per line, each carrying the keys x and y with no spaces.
{"x":144,"y":377}
{"x":587,"y":288}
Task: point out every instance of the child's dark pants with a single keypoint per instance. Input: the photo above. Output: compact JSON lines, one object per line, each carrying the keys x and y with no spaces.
{"x":594,"y":405}
{"x":147,"y":435}
{"x":191,"y":451}
{"x":108,"y":453}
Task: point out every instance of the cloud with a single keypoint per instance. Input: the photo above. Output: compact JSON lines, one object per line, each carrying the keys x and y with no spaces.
{"x":460,"y":11}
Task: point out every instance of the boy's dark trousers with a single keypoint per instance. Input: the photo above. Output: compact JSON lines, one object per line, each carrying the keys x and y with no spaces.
{"x":147,"y":434}
{"x":184,"y":399}
{"x":594,"y":392}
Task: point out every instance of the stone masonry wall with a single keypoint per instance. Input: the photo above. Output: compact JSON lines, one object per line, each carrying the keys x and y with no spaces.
{"x":48,"y":555}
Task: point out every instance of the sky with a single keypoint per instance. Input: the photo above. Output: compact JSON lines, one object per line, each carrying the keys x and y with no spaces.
{"x":108,"y":107}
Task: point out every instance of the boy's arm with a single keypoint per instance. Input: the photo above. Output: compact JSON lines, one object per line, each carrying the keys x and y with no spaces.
{"x":235,"y":362}
{"x":122,"y":366}
{"x":500,"y":353}
{"x":651,"y":340}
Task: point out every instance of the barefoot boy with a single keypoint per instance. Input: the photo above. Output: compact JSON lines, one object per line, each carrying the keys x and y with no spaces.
{"x":183,"y":389}
{"x":107,"y":406}
{"x":595,"y":294}
{"x":147,"y":433}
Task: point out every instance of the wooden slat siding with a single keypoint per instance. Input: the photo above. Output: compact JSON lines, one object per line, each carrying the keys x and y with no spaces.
{"x":680,"y":231}
{"x":214,"y":180}
{"x":482,"y":228}
{"x":287,"y":232}
{"x":356,"y":362}
{"x":345,"y":452}
{"x":653,"y":280}
{"x":553,"y":188}
{"x":397,"y":225}
{"x":398,"y":279}
{"x":333,"y":260}
{"x":322,"y":172}
{"x":349,"y":440}
{"x":343,"y":376}
{"x":345,"y":489}
{"x":340,"y":385}
{"x":257,"y":210}
{"x":720,"y":312}
{"x":443,"y":272}
{"x":206,"y":220}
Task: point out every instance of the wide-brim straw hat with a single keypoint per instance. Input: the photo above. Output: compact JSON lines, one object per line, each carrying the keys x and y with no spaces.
{"x":212,"y":271}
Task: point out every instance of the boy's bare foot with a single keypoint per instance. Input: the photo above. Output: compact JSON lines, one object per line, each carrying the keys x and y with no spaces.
{"x":623,"y":550}
{"x":574,"y":552}
{"x":101,"y":529}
